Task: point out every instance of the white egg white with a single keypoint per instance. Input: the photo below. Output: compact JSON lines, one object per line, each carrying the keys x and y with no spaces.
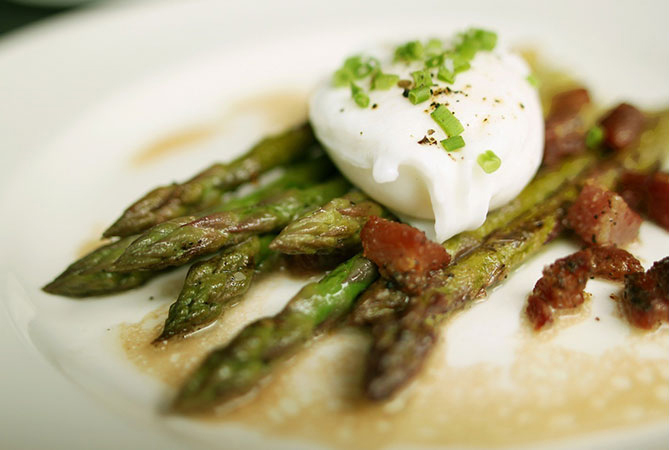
{"x":378,"y":147}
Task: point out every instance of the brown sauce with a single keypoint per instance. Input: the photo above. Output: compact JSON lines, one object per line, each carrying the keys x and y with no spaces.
{"x":280,"y":109}
{"x":91,"y":243}
{"x":173,"y":142}
{"x":547,"y":393}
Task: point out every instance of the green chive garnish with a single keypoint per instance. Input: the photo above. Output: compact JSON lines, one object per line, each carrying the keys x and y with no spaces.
{"x":434,"y":61}
{"x":411,"y":51}
{"x":487,"y":39}
{"x":533,"y":80}
{"x":359,"y":97}
{"x":453,"y":143}
{"x":433,"y":47}
{"x":594,"y":137}
{"x":355,"y":68}
{"x":488,"y":161}
{"x":460,"y":63}
{"x":415,"y":50}
{"x":419,"y":94}
{"x":446,"y":75}
{"x":447,"y":121}
{"x":467,"y":48}
{"x":384,"y":81}
{"x":421,"y":78}
{"x":342,"y":77}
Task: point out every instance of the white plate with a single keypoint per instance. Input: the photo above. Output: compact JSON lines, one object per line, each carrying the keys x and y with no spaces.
{"x":81,"y":94}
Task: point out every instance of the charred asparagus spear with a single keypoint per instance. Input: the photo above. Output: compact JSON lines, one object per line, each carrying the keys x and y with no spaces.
{"x":251,"y":355}
{"x":400,"y":346}
{"x":179,"y":241}
{"x":213,"y":285}
{"x":334,"y":226}
{"x":205,"y":189}
{"x":93,"y":274}
{"x":88,"y":276}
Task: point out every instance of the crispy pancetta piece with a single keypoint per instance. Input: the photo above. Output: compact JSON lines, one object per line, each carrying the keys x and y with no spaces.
{"x":601,"y":217}
{"x":563,"y":282}
{"x":402,"y":253}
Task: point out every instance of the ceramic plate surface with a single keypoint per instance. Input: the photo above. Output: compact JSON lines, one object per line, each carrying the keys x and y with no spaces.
{"x":103,"y":104}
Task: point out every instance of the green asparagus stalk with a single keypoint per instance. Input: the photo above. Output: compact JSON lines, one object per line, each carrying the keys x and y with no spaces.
{"x":333,"y":227}
{"x":238,"y":366}
{"x":205,"y":189}
{"x":179,"y":241}
{"x":213,"y":285}
{"x":400,"y":346}
{"x":93,"y":274}
{"x":88,"y":276}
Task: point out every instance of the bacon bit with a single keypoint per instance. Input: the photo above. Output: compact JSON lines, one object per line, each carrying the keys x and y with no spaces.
{"x":563,"y":282}
{"x":565,"y":131}
{"x":601,"y":217}
{"x":402,"y":253}
{"x":569,"y":103}
{"x":648,"y":194}
{"x":645,"y":300}
{"x":622,"y":126}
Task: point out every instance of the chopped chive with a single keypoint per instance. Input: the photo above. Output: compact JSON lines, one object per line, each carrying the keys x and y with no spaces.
{"x":411,"y":51}
{"x":594,"y":137}
{"x":421,"y":78}
{"x":351,"y":63}
{"x":362,"y":71}
{"x":446,"y":75}
{"x":533,"y":80}
{"x":433,"y":47}
{"x":453,"y":143}
{"x":419,"y":94}
{"x":355,"y":68}
{"x":359,"y":97}
{"x":467,"y":48}
{"x":341,"y":77}
{"x":489,"y":161}
{"x":460,"y":64}
{"x":434,"y":61}
{"x":415,"y":49}
{"x":487,"y":39}
{"x":447,"y":121}
{"x":384,"y":81}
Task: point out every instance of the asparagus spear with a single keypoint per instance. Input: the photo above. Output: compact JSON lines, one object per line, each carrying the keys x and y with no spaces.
{"x":93,"y":274}
{"x":206,"y":188}
{"x":400,"y":346}
{"x":334,"y":226}
{"x":212,"y":285}
{"x":88,"y":276}
{"x":178,"y":241}
{"x":235,"y":368}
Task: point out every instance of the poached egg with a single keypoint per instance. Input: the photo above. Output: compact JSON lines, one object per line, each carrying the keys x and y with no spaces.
{"x":391,"y":148}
